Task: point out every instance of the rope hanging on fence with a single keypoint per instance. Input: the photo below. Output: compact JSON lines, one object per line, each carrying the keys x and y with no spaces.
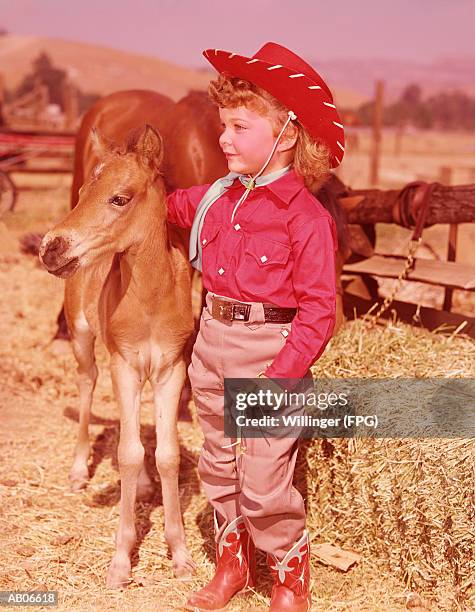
{"x":412,"y":203}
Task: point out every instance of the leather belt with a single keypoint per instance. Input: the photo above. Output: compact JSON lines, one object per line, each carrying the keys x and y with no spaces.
{"x":227,"y":311}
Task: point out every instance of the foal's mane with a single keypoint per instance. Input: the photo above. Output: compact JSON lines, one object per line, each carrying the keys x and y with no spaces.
{"x":149,"y":154}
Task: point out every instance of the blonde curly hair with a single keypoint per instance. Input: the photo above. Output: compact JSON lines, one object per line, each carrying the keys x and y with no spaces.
{"x":311,"y":157}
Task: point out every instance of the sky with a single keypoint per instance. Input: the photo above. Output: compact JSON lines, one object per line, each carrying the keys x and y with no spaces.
{"x":178,"y":30}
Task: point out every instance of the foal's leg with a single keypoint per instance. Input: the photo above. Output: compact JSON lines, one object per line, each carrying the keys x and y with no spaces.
{"x":166,"y":398}
{"x":127,"y":388}
{"x":83,"y":348}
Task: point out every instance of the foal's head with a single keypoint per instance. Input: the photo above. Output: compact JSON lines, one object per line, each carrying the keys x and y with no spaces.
{"x":120,"y":201}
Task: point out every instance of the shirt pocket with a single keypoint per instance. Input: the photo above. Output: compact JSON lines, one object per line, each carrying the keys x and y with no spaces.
{"x":263,"y":265}
{"x":209,"y":242}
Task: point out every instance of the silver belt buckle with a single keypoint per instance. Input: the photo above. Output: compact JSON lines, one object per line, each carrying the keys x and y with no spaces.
{"x":241,"y":312}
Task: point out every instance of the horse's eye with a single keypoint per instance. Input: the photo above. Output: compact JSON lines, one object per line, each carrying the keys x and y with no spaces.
{"x":118,"y":200}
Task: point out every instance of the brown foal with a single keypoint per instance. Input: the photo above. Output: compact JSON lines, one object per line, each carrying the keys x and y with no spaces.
{"x":128,"y":279}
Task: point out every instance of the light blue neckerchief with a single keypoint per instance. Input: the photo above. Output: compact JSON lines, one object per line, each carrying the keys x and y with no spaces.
{"x":215,"y":191}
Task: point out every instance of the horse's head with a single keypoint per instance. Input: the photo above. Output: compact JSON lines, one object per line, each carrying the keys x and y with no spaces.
{"x":120,"y":199}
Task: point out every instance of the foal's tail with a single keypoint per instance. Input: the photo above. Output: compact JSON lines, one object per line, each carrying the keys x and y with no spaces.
{"x":30,"y":243}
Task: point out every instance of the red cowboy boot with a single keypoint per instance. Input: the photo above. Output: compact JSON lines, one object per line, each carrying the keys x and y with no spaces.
{"x":291,"y":589}
{"x":235,"y":568}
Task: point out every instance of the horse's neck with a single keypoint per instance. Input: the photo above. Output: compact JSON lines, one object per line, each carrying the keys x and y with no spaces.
{"x":146,"y":271}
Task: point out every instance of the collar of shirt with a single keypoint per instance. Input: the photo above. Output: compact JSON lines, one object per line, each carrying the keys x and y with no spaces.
{"x":285,"y":188}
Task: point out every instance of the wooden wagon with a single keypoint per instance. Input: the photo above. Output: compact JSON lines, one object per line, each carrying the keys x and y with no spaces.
{"x":31,"y":151}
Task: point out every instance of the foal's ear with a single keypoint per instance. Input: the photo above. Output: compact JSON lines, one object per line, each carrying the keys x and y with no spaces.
{"x":100,"y":145}
{"x":149,"y":146}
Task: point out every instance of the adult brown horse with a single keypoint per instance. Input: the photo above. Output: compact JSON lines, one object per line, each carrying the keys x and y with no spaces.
{"x":189,"y":130}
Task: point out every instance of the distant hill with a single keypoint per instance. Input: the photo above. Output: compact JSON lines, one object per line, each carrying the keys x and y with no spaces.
{"x":103,"y":70}
{"x":97,"y":69}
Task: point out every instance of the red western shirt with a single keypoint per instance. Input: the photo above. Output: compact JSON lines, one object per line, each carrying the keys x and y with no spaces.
{"x":279,"y":248}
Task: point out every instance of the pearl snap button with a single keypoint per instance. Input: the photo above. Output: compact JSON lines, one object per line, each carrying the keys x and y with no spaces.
{"x":237,"y":227}
{"x":220,"y":271}
{"x":285,"y":333}
{"x":263,"y":259}
{"x":204,"y":241}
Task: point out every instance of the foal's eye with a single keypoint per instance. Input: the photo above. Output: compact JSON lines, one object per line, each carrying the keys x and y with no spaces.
{"x":118,"y":200}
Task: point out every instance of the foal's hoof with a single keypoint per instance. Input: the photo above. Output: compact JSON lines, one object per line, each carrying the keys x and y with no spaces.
{"x":78,"y":480}
{"x":78,"y":485}
{"x":183,"y":564}
{"x":119,"y":574}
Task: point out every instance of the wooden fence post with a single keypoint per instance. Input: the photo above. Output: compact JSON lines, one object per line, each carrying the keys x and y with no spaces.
{"x":445,"y":177}
{"x":377,"y":120}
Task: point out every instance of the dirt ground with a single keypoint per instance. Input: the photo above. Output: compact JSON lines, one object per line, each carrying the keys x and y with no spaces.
{"x":56,"y":540}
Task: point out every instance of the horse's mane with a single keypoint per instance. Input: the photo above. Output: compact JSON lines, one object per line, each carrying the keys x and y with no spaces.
{"x":128,"y":145}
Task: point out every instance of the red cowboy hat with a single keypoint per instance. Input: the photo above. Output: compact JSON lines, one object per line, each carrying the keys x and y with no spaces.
{"x":293,"y":82}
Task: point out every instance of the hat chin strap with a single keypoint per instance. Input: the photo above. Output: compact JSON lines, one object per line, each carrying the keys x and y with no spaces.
{"x":252,"y":181}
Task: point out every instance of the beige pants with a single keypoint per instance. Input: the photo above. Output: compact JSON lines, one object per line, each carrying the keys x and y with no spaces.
{"x":258,"y":483}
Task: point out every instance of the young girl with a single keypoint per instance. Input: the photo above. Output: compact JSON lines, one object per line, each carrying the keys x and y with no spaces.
{"x":266,"y":248}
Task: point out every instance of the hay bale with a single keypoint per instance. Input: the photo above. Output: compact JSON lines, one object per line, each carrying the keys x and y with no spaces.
{"x":408,"y":505}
